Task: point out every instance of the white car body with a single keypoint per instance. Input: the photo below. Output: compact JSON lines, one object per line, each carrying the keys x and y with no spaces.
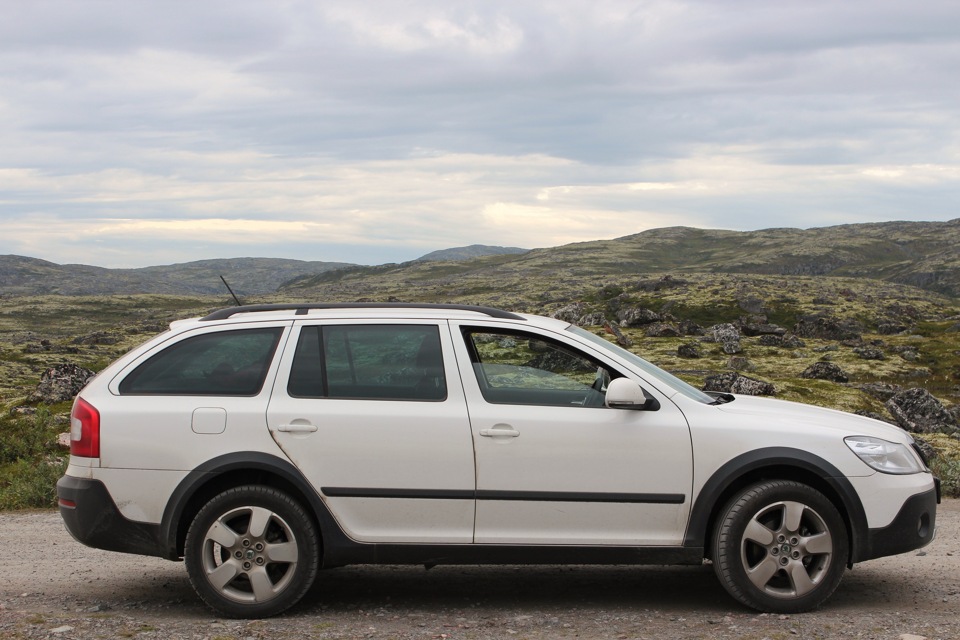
{"x":465,"y":479}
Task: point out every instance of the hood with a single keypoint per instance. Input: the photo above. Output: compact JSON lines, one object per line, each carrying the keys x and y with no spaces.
{"x":788,"y":414}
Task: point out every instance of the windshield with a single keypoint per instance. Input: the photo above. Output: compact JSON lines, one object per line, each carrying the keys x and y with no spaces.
{"x":653,"y":371}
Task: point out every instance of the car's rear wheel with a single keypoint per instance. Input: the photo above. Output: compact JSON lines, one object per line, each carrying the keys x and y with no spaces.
{"x":780,"y":546}
{"x":252,"y":552}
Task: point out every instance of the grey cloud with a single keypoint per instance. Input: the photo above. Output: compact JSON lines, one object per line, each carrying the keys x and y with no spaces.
{"x":202,"y":103}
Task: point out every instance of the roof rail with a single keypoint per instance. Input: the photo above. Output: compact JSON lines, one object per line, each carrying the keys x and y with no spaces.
{"x":302,"y":309}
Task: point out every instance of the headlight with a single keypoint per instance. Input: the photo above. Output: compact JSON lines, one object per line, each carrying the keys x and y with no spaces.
{"x":885,"y":457}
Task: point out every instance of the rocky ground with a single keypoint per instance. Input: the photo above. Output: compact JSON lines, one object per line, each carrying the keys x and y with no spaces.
{"x":52,"y":587}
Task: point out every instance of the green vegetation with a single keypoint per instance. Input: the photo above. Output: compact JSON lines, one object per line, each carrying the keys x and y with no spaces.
{"x":38,"y":332}
{"x":31,"y":462}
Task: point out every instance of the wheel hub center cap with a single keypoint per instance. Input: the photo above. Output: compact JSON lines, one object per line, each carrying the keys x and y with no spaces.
{"x":250,"y":554}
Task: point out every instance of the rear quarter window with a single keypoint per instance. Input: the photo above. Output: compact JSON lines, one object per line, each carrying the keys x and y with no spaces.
{"x":225,"y":363}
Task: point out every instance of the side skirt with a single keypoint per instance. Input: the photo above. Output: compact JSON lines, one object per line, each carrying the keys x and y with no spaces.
{"x":432,"y":555}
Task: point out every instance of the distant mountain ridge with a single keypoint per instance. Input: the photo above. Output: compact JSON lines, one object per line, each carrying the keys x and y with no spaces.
{"x":470,"y":252}
{"x":20,"y":275}
{"x":921,"y":254}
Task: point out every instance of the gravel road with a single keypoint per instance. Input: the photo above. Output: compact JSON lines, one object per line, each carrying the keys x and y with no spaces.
{"x":53,"y":587}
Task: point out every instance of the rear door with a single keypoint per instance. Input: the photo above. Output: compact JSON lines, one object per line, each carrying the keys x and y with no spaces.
{"x":373,"y":414}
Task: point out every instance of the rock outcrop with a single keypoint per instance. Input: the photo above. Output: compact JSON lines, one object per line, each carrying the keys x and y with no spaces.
{"x":918,"y":411}
{"x":825,"y":371}
{"x":735,"y":383}
{"x":61,"y":383}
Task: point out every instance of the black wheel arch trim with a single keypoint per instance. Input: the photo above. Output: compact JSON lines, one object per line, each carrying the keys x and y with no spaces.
{"x":715,"y":489}
{"x":238,"y":461}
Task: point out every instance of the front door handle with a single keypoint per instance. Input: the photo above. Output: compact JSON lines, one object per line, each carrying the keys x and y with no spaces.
{"x":499,"y":431}
{"x":297,"y":428}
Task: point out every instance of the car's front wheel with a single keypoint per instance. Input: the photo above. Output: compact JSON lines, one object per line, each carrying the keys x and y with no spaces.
{"x":780,"y":546}
{"x":252,"y":552}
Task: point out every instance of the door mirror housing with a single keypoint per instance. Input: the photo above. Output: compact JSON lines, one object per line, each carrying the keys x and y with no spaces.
{"x":624,"y":393}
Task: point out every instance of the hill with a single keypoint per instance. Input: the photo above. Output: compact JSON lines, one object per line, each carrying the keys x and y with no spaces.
{"x":468,"y":253}
{"x":921,"y":254}
{"x":20,"y":275}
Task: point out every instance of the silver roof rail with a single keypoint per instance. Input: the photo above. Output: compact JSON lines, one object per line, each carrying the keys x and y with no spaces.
{"x":302,"y":309}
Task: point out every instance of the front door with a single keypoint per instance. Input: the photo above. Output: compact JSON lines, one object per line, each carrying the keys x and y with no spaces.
{"x":554,"y":465}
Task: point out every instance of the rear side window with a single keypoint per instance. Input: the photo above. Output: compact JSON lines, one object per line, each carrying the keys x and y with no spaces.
{"x":374,"y":362}
{"x":226,"y":363}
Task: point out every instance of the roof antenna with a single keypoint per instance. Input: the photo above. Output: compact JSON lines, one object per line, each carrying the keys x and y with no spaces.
{"x":235,"y":298}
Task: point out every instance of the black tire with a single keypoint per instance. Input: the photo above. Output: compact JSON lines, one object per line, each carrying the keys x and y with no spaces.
{"x":780,"y":547}
{"x":252,"y":552}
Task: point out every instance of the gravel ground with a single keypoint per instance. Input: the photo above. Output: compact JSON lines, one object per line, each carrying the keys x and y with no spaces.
{"x":53,"y":587}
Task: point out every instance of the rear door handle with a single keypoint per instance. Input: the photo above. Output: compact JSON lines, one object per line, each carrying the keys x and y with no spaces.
{"x":495,"y":432}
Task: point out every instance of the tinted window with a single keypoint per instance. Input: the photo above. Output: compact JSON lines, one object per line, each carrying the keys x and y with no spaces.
{"x":377,"y":362}
{"x":518,"y":368}
{"x":228,"y":363}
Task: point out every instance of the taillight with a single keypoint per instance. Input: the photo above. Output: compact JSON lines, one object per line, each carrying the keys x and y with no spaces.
{"x":84,"y":430}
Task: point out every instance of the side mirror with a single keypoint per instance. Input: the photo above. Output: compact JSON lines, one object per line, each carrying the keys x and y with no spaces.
{"x":624,"y":393}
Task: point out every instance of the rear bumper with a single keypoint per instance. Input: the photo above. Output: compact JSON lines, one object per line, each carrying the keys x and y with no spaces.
{"x":913,"y":528}
{"x":91,"y":517}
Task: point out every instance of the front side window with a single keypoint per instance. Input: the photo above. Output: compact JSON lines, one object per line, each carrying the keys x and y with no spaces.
{"x":225,"y":363}
{"x":374,"y":362}
{"x":654,"y":371}
{"x":519,"y":368}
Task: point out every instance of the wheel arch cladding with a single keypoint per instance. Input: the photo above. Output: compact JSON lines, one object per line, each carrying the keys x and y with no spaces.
{"x":777,"y":463}
{"x":227,"y":471}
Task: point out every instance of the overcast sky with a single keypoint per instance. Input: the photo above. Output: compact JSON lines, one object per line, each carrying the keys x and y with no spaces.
{"x":140,"y":133}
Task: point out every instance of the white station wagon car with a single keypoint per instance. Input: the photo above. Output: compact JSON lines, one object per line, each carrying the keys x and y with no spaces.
{"x":263,"y":443}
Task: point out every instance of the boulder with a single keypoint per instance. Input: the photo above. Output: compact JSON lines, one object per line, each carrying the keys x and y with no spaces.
{"x":791,"y":341}
{"x":98,"y":337}
{"x":888,"y":328}
{"x":61,"y":383}
{"x":732,"y":347}
{"x":732,"y":382}
{"x":662,"y":330}
{"x":659,"y":284}
{"x":752,"y":304}
{"x":725,"y":332}
{"x":614,"y":330}
{"x":753,"y":329}
{"x":907,"y":352}
{"x":918,"y":411}
{"x":740,"y":363}
{"x":870,"y":353}
{"x":570,"y":313}
{"x":592,"y":320}
{"x":770,"y":341}
{"x":690,"y":328}
{"x":881,"y":390}
{"x":637,"y":316}
{"x":690,"y":350}
{"x":828,"y":328}
{"x":825,"y":371}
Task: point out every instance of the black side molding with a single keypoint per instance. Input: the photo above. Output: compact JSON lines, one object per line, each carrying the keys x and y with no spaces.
{"x":513,"y":496}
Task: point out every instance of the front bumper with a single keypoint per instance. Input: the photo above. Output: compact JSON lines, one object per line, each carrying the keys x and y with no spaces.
{"x":91,"y":517}
{"x":913,"y":528}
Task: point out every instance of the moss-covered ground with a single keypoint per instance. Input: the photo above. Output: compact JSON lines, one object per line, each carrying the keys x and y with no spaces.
{"x":39,"y":332}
